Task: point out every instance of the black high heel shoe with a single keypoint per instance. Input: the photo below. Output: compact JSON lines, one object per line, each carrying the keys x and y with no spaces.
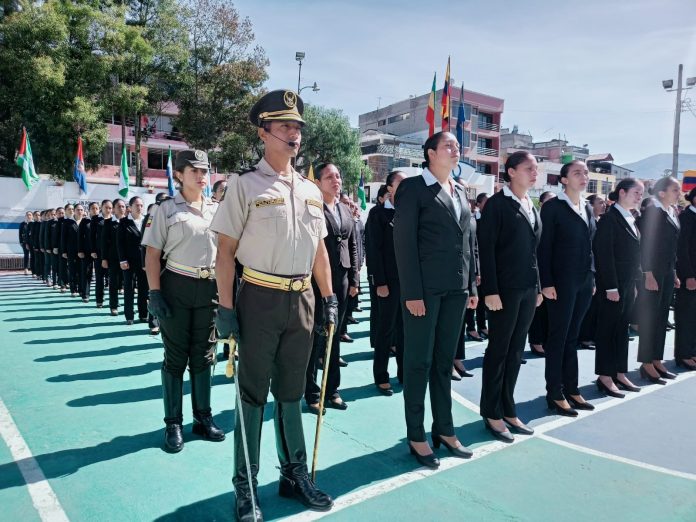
{"x":645,"y":375}
{"x":580,"y":405}
{"x":462,"y":373}
{"x":625,"y":386}
{"x":504,"y":436}
{"x":682,"y":364}
{"x":429,"y":461}
{"x":462,"y":451}
{"x":536,"y":352}
{"x":605,"y":389}
{"x":557,"y":408}
{"x":665,"y":374}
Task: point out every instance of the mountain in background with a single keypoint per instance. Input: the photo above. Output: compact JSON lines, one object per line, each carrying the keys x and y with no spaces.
{"x":653,"y":167}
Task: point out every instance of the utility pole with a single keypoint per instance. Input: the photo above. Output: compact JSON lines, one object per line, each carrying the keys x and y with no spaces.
{"x":677,"y":122}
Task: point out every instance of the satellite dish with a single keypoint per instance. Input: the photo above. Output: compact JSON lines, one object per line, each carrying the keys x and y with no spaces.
{"x":597,"y":169}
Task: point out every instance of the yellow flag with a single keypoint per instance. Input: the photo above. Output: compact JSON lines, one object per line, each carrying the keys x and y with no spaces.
{"x":310,"y":176}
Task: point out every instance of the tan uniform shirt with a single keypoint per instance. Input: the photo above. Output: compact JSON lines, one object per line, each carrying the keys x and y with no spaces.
{"x":278,"y":220}
{"x":182,"y":232}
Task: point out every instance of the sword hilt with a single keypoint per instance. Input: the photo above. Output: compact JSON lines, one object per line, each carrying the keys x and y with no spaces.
{"x":232,"y":343}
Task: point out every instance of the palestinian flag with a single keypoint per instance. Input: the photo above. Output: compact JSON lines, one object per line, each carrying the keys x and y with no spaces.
{"x":361,"y":192}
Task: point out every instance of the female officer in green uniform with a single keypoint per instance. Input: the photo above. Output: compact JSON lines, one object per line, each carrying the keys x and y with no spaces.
{"x":181,"y":295}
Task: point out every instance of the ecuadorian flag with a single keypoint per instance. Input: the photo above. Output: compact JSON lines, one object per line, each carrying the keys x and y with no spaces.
{"x":689,"y":180}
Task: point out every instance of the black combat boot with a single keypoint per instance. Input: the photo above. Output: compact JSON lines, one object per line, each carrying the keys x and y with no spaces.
{"x":203,"y":423}
{"x":172,"y":394}
{"x":294,"y":477}
{"x":253,"y":418}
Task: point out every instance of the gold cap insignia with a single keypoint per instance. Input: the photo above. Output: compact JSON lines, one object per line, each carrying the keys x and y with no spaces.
{"x":290,"y":99}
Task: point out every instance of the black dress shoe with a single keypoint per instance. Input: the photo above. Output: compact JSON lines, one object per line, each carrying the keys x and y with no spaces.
{"x":205,"y":427}
{"x":504,"y":436}
{"x":605,"y":389}
{"x":336,"y":405}
{"x":523,"y":361}
{"x":586,"y":346}
{"x":455,"y":375}
{"x":173,"y":438}
{"x":114,"y":311}
{"x":385,"y":391}
{"x":666,"y":374}
{"x":245,"y":509}
{"x":520,"y":428}
{"x":429,"y":461}
{"x":536,"y":352}
{"x":300,"y":487}
{"x":645,"y":375}
{"x":358,"y":309}
{"x":580,"y":405}
{"x":351,"y":320}
{"x":342,"y":363}
{"x":461,"y":451}
{"x":463,"y":373}
{"x":687,"y":364}
{"x":345,"y":338}
{"x":626,"y":387}
{"x":558,"y":409}
{"x":315,"y":409}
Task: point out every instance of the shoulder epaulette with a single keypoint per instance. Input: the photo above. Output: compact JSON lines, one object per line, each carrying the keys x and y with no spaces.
{"x":246,"y":170}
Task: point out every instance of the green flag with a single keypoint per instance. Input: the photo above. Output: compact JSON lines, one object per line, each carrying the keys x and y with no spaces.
{"x":25,"y":160}
{"x":361,"y":192}
{"x":124,"y":181}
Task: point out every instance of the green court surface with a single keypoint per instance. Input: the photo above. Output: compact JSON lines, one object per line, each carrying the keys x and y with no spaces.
{"x":83,"y":392}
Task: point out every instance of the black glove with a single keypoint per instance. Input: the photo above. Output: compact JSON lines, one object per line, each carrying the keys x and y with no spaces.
{"x":330,"y":305}
{"x":157,"y":306}
{"x":226,"y":323}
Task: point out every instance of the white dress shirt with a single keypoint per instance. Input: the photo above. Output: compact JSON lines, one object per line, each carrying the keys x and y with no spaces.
{"x":669,"y":210}
{"x":579,"y":209}
{"x":628,"y":217}
{"x":525,"y":203}
{"x":448,"y":188}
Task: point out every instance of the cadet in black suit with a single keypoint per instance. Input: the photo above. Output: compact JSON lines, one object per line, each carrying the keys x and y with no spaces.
{"x":56,"y":234}
{"x":96,"y":231}
{"x":41,"y":245}
{"x":659,"y":229}
{"x":343,"y":258}
{"x":109,"y":252}
{"x":128,"y":238}
{"x":437,"y":276}
{"x":24,"y":239}
{"x":69,"y":248}
{"x":31,"y":237}
{"x":685,"y":334}
{"x":566,"y":273}
{"x":84,"y":248}
{"x":508,"y":235}
{"x":617,"y":263}
{"x":384,"y":276}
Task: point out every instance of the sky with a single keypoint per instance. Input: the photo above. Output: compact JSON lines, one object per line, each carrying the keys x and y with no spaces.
{"x":590,"y":72}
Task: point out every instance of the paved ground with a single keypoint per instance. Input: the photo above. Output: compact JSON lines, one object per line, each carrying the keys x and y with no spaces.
{"x":80,"y":419}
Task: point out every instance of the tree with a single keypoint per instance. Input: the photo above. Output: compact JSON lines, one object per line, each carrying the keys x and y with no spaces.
{"x":328,"y":137}
{"x":221,"y":82}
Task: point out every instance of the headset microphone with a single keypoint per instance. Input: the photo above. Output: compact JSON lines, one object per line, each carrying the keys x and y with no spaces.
{"x":289,"y":143}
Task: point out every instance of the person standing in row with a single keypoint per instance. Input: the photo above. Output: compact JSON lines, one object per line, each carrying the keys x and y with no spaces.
{"x":62,"y":254}
{"x":128,"y":238}
{"x":42,"y":246}
{"x":84,"y":248}
{"x":384,"y":277}
{"x":341,"y":247}
{"x":152,"y":321}
{"x":659,"y":230}
{"x":272,"y":222}
{"x":685,"y":332}
{"x":69,"y":248}
{"x":182,"y":297}
{"x":101,"y":274}
{"x":476,"y":326}
{"x":566,"y":273}
{"x":44,"y":232}
{"x":24,"y":239}
{"x":508,"y":234}
{"x":219,"y":188}
{"x":31,"y":236}
{"x":109,"y":252}
{"x":56,"y":234}
{"x":437,"y":275}
{"x":617,"y":266}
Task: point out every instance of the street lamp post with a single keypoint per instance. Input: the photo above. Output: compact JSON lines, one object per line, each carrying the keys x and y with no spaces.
{"x":667,"y":85}
{"x":299,"y":56}
{"x":314,"y":87}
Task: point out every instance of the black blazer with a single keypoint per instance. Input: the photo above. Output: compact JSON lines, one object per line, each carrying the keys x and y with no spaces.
{"x":109,"y":248}
{"x":95,"y":230}
{"x":43,"y":235}
{"x":433,"y":249}
{"x":658,"y":243}
{"x":23,"y":233}
{"x":617,"y":252}
{"x":565,"y":250}
{"x":379,"y":247}
{"x":686,"y":247}
{"x":128,"y":237}
{"x":84,"y":245}
{"x":56,"y":233}
{"x":341,"y":243}
{"x":68,"y":240}
{"x":507,"y":246}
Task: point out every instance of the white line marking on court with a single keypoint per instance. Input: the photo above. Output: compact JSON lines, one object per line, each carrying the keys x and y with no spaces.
{"x":448,"y":463}
{"x":616,"y":458}
{"x":42,"y":495}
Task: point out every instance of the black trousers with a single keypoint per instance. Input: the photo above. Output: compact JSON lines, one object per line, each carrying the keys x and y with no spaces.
{"x":74,"y":280}
{"x":276,"y":330}
{"x":539,"y":329}
{"x":507,"y":331}
{"x":100,"y":275}
{"x":479,"y":314}
{"x":46,"y":272}
{"x":26,"y":257}
{"x":588,"y":329}
{"x":653,"y":314}
{"x":186,"y":332}
{"x":55,"y":270}
{"x":373,"y":315}
{"x":611,"y":355}
{"x":63,"y":270}
{"x":131,"y":278}
{"x":333,"y":381}
{"x":32,"y":260}
{"x":430,"y":343}
{"x":115,"y":281}
{"x":86,"y":271}
{"x":565,"y":315}
{"x":390,"y":332}
{"x":685,"y":331}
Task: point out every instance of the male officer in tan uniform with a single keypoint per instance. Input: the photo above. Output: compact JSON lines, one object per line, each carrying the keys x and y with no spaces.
{"x":272,"y":221}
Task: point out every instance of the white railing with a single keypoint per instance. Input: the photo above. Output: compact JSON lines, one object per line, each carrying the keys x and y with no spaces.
{"x":488,"y":126}
{"x":486,"y":152}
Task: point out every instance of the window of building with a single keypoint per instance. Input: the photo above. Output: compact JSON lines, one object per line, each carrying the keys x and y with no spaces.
{"x":475,"y":111}
{"x":400,"y":117}
{"x":483,"y":168}
{"x":381,"y":123}
{"x":157,"y":159}
{"x":485,"y":118}
{"x":552,"y":179}
{"x":485,"y":143}
{"x":592,"y":186}
{"x":467,"y":111}
{"x":606,"y":187}
{"x":109,"y":156}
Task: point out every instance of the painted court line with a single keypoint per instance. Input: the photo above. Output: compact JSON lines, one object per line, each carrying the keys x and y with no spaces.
{"x":42,"y":495}
{"x":448,"y":463}
{"x":616,"y":458}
